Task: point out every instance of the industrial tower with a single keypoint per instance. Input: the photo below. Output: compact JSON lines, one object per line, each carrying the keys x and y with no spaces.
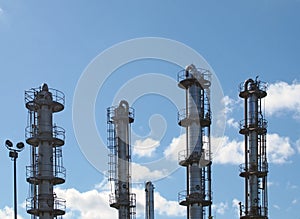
{"x":255,"y":168}
{"x":118,"y":120}
{"x":46,"y":169}
{"x":149,"y":189}
{"x":196,"y":119}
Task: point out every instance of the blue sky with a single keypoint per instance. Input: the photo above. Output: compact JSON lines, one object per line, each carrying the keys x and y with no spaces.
{"x":55,"y":41}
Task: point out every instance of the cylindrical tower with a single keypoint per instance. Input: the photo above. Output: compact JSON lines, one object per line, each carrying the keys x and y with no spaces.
{"x":119,"y":119}
{"x":149,"y":189}
{"x":255,"y":168}
{"x":46,"y":169}
{"x":196,"y":119}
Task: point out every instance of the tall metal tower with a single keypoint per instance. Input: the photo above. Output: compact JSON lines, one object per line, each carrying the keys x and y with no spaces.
{"x":149,"y":189}
{"x":196,"y":118}
{"x":255,"y":168}
{"x":119,"y":119}
{"x":46,"y":169}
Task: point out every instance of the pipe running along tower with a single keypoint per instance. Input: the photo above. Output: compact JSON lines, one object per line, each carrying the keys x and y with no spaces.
{"x":46,"y":169}
{"x":118,"y":120}
{"x":255,"y":168}
{"x":196,"y":119}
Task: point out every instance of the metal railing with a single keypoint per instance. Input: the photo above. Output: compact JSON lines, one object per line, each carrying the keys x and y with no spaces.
{"x":200,"y":75}
{"x":197,"y":195}
{"x":260,"y":167}
{"x":261,"y":212}
{"x":186,"y":154}
{"x":111,"y":113}
{"x":32,"y":131}
{"x":194,"y":113}
{"x":36,"y":171}
{"x":57,"y":95}
{"x":256,"y":85}
{"x":33,"y":204}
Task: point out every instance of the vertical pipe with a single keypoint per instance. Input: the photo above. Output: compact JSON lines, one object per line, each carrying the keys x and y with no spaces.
{"x":194,"y":105}
{"x":253,"y":155}
{"x":246,"y":157}
{"x":149,"y":189}
{"x":209,"y":171}
{"x":15,"y":187}
{"x":45,"y":150}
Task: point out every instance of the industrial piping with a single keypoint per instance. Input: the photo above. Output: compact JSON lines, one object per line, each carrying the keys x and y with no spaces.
{"x":255,"y":168}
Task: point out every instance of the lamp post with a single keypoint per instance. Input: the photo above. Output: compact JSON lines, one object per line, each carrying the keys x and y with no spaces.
{"x":13,"y":154}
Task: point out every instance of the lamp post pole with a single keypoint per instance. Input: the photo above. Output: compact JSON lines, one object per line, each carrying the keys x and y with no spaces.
{"x":13,"y":154}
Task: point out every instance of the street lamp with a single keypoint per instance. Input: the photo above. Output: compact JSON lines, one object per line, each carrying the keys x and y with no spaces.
{"x":13,"y":154}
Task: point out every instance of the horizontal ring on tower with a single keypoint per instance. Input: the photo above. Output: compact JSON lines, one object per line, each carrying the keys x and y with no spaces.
{"x":56,"y":174}
{"x":112,"y":116}
{"x":200,"y":77}
{"x":194,"y":197}
{"x":56,"y":102}
{"x":262,"y":213}
{"x":41,"y":203}
{"x":116,"y":203}
{"x":187,"y":157}
{"x":257,"y":88}
{"x":33,"y":136}
{"x":260,"y":170}
{"x":260,"y":126}
{"x":185,"y":117}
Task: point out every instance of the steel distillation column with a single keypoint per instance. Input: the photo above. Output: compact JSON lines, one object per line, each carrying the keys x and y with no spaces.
{"x":195,"y":118}
{"x":121,"y":117}
{"x":254,"y":128}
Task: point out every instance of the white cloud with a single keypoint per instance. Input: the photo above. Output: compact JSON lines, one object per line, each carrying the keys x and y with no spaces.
{"x":276,"y":206}
{"x":168,"y":208}
{"x":282,"y":97}
{"x":145,"y":148}
{"x":231,"y":152}
{"x":162,"y":206}
{"x":86,"y":205}
{"x":229,"y":104}
{"x":91,"y":204}
{"x":232,"y":123}
{"x":236,"y":206}
{"x":8,"y":213}
{"x":279,"y":148}
{"x":269,"y":184}
{"x":178,"y":144}
{"x":142,"y":173}
{"x":220,"y":208}
{"x":295,"y":201}
{"x":227,"y":151}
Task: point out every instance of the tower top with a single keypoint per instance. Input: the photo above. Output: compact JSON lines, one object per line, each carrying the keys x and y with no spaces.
{"x":45,"y":87}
